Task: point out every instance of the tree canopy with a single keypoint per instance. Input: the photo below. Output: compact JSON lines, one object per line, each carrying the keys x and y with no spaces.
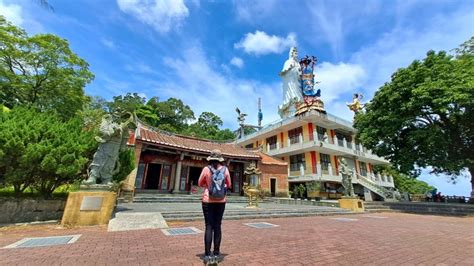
{"x":41,"y":151}
{"x":423,"y":117}
{"x":172,"y":115}
{"x":40,"y":71}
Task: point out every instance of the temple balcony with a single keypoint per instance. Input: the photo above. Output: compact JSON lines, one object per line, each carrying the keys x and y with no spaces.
{"x":327,"y":147}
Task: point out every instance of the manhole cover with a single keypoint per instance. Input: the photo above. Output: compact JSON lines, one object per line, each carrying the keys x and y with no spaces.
{"x":345,"y":219}
{"x":181,"y":231}
{"x":261,"y":225}
{"x":44,"y":241}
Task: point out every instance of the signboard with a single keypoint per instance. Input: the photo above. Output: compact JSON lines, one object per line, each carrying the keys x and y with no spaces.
{"x":91,"y":203}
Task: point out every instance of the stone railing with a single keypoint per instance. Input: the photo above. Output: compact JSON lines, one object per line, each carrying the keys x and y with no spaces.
{"x":371,"y":185}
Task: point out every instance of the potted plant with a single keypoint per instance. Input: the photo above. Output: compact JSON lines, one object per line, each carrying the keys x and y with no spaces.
{"x":314,"y":189}
{"x":301,"y":189}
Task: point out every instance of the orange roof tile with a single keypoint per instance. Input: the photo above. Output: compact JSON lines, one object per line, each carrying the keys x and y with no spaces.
{"x":267,"y":159}
{"x":150,"y":135}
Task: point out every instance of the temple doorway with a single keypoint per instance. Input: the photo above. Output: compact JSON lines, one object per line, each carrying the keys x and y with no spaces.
{"x":194,"y":173}
{"x":153,"y":176}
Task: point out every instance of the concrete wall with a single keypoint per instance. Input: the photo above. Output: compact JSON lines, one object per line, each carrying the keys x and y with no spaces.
{"x":30,"y":210}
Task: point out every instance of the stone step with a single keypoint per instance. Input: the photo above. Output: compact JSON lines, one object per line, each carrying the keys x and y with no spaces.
{"x":381,"y":210}
{"x":238,"y":216}
{"x":376,"y":207}
{"x":157,"y":199}
{"x":249,"y":212}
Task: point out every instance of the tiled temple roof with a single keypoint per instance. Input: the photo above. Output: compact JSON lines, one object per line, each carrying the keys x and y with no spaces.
{"x":266,"y":159}
{"x":166,"y":139}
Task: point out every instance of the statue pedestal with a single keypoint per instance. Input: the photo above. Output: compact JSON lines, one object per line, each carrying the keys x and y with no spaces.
{"x":310,"y":104}
{"x":353,"y":204}
{"x":84,"y":208}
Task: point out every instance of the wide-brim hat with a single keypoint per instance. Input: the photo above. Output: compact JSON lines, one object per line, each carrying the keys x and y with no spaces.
{"x":216,"y":155}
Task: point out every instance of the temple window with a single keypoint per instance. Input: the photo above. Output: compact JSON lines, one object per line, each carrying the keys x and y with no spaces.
{"x":294,"y":135}
{"x":325,"y":160}
{"x":321,"y":131}
{"x":296,"y":161}
{"x":272,"y":142}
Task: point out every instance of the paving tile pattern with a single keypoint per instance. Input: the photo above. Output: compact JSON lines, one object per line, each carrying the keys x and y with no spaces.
{"x":400,"y":239}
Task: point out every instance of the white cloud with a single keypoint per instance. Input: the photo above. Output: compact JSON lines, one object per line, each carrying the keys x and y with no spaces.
{"x":12,"y":13}
{"x":206,"y":88}
{"x":338,"y":79}
{"x":252,"y":10}
{"x":260,"y":43}
{"x":162,"y":15}
{"x":237,"y":61}
{"x":399,"y":47}
{"x":108,"y":43}
{"x":328,"y":24}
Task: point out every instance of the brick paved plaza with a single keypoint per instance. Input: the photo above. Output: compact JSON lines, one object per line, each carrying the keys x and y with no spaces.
{"x":381,"y":239}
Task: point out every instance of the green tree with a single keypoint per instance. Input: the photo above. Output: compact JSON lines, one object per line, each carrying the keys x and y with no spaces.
{"x":128,"y":103}
{"x":41,"y":71}
{"x":207,"y":126}
{"x":424,"y":116}
{"x":173,"y":115}
{"x":405,"y":183}
{"x":41,"y":151}
{"x":225,"y":134}
{"x":147,"y":112}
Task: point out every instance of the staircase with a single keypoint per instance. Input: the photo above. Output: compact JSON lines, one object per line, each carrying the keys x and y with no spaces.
{"x":182,"y":198}
{"x":181,"y":207}
{"x":256,"y":213}
{"x":372,"y":186}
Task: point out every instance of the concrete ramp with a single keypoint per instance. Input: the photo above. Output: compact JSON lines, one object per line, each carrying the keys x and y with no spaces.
{"x":126,"y":221}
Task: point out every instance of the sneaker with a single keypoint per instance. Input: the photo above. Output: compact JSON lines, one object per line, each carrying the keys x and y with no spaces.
{"x":213,"y":260}
{"x":217,"y":256}
{"x":207,"y":259}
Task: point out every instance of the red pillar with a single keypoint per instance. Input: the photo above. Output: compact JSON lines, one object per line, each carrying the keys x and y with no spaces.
{"x":313,"y":161}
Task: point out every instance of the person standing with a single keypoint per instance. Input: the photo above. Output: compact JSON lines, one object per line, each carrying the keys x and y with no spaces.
{"x":213,"y":208}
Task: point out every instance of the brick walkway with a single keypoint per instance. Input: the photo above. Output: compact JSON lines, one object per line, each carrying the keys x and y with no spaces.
{"x":397,"y":239}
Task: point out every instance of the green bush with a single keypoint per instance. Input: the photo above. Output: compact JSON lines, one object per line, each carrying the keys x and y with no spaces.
{"x":126,"y":165}
{"x":40,"y":151}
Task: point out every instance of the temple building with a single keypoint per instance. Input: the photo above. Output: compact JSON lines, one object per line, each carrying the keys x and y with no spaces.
{"x":310,"y":140}
{"x":310,"y":144}
{"x":172,"y":163}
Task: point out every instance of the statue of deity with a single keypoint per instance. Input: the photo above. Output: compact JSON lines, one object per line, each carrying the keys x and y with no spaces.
{"x":290,"y":74}
{"x":346,"y":177}
{"x":356,"y":106}
{"x":113,"y":138}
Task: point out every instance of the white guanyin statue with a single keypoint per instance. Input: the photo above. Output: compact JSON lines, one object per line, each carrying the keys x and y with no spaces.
{"x":291,"y":86}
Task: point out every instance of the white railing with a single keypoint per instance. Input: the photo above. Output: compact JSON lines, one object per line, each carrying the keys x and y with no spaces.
{"x":371,"y":185}
{"x":346,"y":149}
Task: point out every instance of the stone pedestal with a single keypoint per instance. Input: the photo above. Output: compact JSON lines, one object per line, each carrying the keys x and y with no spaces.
{"x":84,"y":208}
{"x":353,"y":204}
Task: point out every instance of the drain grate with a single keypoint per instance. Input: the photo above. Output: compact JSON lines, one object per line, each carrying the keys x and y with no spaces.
{"x":261,"y":225}
{"x":181,"y":231}
{"x":375,"y":217}
{"x":345,"y":219}
{"x":44,"y":241}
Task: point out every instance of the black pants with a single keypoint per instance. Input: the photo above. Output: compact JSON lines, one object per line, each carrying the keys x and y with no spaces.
{"x":213,"y":213}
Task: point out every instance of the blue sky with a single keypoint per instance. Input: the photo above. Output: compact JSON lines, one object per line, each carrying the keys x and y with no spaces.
{"x":216,"y":55}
